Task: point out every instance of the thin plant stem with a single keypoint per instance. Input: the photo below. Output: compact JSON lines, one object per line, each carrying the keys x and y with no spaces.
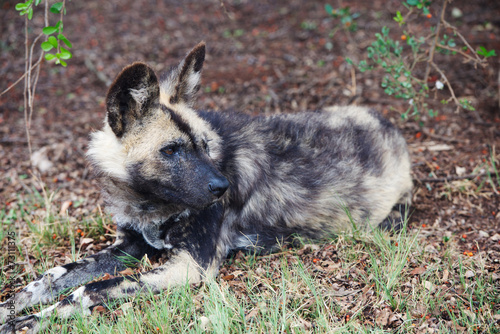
{"x":433,"y":47}
{"x":26,"y":83}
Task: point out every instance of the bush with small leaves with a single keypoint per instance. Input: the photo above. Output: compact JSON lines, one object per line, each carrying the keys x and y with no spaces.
{"x":399,"y":60}
{"x":55,"y":47}
{"x":55,"y":38}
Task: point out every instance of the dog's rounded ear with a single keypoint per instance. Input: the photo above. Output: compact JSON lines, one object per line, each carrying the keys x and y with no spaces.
{"x":182,"y":82}
{"x":133,"y":94}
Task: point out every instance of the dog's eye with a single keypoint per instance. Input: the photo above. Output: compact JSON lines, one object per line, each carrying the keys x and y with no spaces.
{"x":168,"y":151}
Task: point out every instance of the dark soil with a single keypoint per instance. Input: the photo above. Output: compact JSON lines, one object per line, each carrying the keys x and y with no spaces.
{"x":261,"y":59}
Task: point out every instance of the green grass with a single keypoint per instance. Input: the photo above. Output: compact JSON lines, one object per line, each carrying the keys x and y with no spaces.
{"x":352,"y":283}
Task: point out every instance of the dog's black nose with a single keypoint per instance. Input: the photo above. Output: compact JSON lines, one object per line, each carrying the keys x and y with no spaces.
{"x":218,"y":186}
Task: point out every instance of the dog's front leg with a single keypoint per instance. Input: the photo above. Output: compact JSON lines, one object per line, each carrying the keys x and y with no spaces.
{"x":49,"y":285}
{"x":180,"y":268}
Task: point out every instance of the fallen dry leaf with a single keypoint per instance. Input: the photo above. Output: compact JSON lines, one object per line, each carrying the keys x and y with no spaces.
{"x":395,"y":317}
{"x":126,"y":272}
{"x":431,"y":249}
{"x":64,"y":207}
{"x":428,"y":285}
{"x":446,"y":274}
{"x":305,"y":324}
{"x":469,"y":274}
{"x":204,"y":323}
{"x":460,"y":170}
{"x":330,"y":265}
{"x":483,"y":234}
{"x":125,"y":307}
{"x":41,"y":161}
{"x":382,"y":317}
{"x":116,"y":314}
{"x":417,"y":271}
{"x":107,"y":276}
{"x":252,"y":314}
{"x":98,"y":309}
{"x":86,"y":241}
{"x":342,"y":292}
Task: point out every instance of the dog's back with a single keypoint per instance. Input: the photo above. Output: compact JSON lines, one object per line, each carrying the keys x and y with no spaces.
{"x":309,"y":173}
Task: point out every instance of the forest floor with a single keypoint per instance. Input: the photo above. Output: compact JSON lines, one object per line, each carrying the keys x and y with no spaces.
{"x":263,"y":57}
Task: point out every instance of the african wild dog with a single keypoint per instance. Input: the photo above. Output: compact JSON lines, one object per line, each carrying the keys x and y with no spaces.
{"x":196,"y":185}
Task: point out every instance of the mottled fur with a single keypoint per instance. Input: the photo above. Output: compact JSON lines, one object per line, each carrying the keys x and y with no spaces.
{"x":198,"y":184}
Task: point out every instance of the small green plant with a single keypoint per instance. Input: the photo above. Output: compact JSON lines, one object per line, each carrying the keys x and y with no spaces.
{"x":410,"y":70}
{"x":485,"y":53}
{"x":309,"y":25}
{"x":233,"y":34}
{"x":347,"y":19}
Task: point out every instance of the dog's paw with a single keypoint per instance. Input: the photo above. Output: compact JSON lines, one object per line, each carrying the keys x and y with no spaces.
{"x":25,"y":325}
{"x":6,"y":312}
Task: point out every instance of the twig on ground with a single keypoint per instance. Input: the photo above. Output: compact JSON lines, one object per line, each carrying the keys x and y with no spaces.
{"x":442,"y":138}
{"x":451,"y":178}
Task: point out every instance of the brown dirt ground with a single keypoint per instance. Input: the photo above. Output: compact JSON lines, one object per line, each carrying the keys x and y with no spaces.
{"x":260,"y":60}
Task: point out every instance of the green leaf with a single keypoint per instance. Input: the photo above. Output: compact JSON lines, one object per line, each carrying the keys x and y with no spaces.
{"x":22,"y":6}
{"x":37,"y":2}
{"x":63,"y":63}
{"x":56,"y":8}
{"x":30,"y":13}
{"x":412,"y":2}
{"x":46,"y":46}
{"x":399,"y":18}
{"x":52,"y":40}
{"x":49,"y":56}
{"x":65,"y":54}
{"x":485,"y":53}
{"x":49,"y":30}
{"x":370,"y":52}
{"x":329,"y":9}
{"x":61,"y":37}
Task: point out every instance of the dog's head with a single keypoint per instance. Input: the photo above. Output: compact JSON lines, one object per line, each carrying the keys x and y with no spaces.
{"x":153,"y":143}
